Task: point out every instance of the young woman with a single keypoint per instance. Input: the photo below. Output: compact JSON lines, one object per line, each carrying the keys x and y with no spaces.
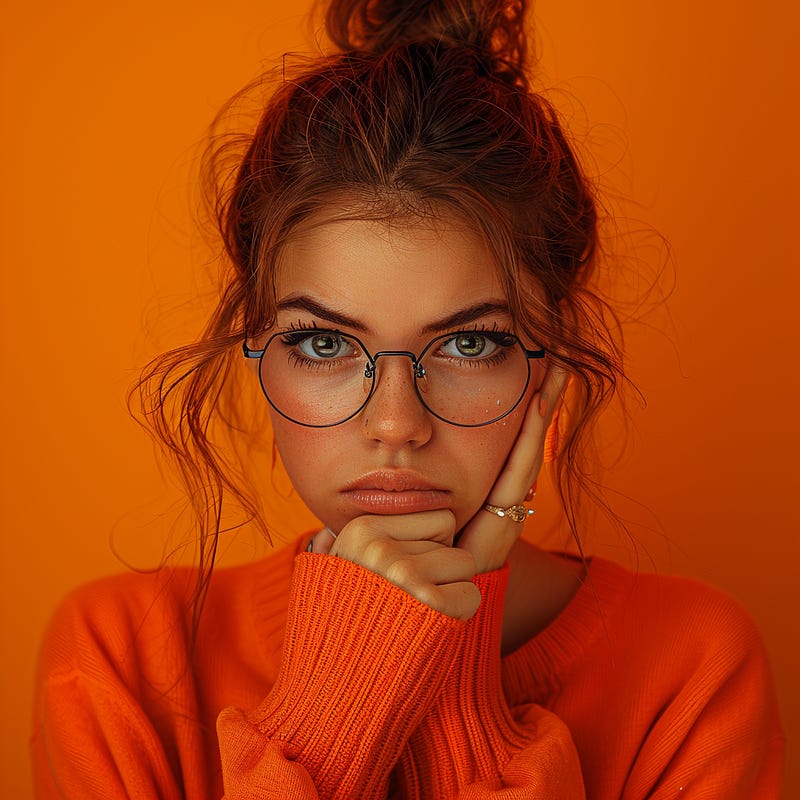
{"x":411,"y":244}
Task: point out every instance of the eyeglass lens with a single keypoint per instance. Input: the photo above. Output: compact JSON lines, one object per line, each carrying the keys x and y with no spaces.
{"x":318,"y":378}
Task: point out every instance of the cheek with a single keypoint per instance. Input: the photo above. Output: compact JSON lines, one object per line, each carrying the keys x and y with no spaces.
{"x":484,"y":450}
{"x":302,"y":451}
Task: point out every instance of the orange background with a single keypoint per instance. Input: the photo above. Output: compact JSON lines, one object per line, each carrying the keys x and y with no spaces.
{"x":690,"y":112}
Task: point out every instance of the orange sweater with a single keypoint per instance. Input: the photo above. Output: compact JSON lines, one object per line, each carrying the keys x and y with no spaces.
{"x":643,"y":687}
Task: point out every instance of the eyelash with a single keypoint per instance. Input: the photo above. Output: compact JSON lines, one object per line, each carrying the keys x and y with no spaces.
{"x":482,"y":328}
{"x":300,"y":327}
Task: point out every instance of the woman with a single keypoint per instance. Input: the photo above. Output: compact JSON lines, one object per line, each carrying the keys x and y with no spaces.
{"x":412,"y":243}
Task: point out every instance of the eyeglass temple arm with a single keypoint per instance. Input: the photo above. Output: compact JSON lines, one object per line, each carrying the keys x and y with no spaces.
{"x":248,"y":353}
{"x":535,"y":353}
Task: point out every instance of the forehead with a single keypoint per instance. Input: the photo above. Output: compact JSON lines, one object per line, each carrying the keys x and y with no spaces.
{"x":389,"y":274}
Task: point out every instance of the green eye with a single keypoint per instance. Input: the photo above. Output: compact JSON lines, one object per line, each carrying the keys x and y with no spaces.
{"x":469,"y":345}
{"x":324,"y":345}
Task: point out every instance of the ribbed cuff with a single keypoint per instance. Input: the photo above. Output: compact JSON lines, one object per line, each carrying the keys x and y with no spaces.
{"x":469,"y":734}
{"x":362,"y":663}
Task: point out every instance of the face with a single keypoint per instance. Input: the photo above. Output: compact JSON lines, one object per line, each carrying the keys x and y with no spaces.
{"x":395,"y":287}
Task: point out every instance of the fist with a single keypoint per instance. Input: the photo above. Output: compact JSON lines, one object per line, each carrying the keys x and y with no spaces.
{"x":416,"y":553}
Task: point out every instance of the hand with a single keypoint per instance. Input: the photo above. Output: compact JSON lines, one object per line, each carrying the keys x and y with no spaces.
{"x":486,"y":536}
{"x":416,"y":553}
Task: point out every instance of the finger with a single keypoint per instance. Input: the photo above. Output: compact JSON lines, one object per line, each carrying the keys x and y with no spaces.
{"x":459,"y":600}
{"x":525,"y":459}
{"x":522,"y":465}
{"x":437,"y":567}
{"x":431,"y":526}
{"x":488,"y":537}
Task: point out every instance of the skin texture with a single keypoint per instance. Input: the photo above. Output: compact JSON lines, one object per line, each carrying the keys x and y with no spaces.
{"x":393,"y":281}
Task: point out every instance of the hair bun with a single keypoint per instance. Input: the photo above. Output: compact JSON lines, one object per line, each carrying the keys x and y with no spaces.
{"x":494,"y":29}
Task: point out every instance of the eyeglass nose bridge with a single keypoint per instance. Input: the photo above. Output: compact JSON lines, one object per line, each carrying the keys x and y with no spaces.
{"x":372,"y":364}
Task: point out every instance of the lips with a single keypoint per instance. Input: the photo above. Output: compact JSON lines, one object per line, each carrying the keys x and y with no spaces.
{"x":399,"y":480}
{"x":395,"y":492}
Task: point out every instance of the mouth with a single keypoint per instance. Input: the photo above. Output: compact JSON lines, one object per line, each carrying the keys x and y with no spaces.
{"x":395,"y":492}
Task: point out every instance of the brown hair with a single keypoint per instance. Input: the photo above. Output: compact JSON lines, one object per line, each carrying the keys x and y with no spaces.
{"x":426,"y":107}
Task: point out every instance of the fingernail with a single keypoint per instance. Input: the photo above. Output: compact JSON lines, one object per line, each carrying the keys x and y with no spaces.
{"x":543,"y":398}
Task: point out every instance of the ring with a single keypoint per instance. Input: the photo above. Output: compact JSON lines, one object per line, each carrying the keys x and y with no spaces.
{"x":517,"y":513}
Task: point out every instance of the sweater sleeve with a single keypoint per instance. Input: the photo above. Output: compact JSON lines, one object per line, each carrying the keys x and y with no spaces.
{"x":362,"y":664}
{"x":470,"y":745}
{"x":94,"y":737}
{"x":716,"y":732}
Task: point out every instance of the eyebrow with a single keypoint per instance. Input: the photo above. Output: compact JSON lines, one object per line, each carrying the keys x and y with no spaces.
{"x":303,"y":303}
{"x":466,"y":315}
{"x":459,"y":318}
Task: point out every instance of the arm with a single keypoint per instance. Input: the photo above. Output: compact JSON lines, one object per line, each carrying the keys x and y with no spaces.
{"x":362,"y":663}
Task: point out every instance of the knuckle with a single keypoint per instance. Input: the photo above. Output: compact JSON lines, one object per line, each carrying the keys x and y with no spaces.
{"x":443,"y":526}
{"x":402,"y":573}
{"x":449,"y":521}
{"x":430,"y":595}
{"x":376,"y":552}
{"x":356,"y":530}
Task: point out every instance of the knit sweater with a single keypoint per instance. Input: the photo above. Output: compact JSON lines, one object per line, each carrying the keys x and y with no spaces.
{"x":312,"y":677}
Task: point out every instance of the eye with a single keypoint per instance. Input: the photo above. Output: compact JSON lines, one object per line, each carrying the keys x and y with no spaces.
{"x":325,"y":345}
{"x":469,"y":345}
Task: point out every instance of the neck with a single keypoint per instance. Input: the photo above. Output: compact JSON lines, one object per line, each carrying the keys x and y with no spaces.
{"x":540,"y":586}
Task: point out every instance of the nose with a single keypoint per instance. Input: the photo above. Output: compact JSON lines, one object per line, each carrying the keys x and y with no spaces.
{"x":394,"y":415}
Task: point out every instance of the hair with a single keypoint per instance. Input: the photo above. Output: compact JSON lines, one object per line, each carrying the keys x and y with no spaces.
{"x":425,"y":108}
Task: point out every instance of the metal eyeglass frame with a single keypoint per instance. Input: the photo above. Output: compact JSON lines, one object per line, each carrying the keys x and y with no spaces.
{"x":371,"y":366}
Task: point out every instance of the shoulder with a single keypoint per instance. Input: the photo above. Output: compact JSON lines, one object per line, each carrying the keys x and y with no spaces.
{"x":129,"y":630}
{"x":114,"y":607}
{"x":645,"y":627}
{"x":677,"y":620}
{"x":666,"y":625}
{"x":134,"y":617}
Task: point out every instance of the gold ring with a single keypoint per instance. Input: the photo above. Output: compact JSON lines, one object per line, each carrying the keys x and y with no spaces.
{"x":517,"y":513}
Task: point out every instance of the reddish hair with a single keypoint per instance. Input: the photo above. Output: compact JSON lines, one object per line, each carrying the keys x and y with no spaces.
{"x":426,"y":109}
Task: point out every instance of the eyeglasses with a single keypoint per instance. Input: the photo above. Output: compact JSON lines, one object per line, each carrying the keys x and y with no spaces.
{"x":319,"y":378}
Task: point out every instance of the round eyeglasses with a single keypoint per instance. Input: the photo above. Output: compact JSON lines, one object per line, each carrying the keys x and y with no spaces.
{"x":319,"y":378}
